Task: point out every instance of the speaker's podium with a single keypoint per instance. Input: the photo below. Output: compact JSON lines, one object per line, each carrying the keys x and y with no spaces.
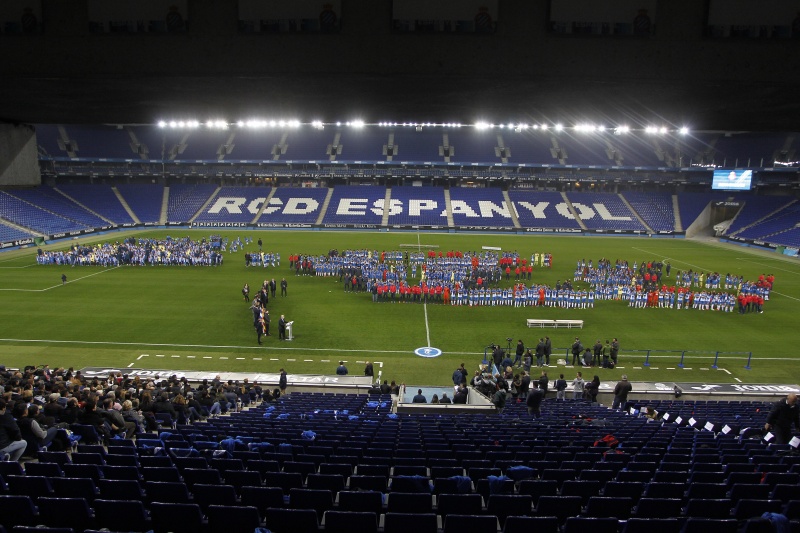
{"x":290,"y":330}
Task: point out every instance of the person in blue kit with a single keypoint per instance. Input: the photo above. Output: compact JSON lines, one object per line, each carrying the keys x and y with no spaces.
{"x":341,"y":370}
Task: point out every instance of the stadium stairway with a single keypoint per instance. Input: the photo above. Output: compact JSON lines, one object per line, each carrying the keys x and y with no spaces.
{"x":205,"y":205}
{"x":264,"y":205}
{"x":386,"y":203}
{"x":325,"y":205}
{"x":677,"y":213}
{"x":126,"y":206}
{"x":640,"y":219}
{"x":449,"y":207}
{"x":10,"y":224}
{"x":762,"y":219}
{"x":162,"y":220}
{"x":512,"y":210}
{"x":572,"y":210}
{"x":76,"y":202}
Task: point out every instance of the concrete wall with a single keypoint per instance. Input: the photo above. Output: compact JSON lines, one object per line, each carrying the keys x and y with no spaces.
{"x":19,"y":158}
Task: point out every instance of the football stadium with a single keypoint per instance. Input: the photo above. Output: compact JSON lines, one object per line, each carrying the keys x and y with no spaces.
{"x":387,"y":266}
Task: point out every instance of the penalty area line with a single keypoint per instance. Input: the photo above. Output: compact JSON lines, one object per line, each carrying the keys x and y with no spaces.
{"x":63,"y":284}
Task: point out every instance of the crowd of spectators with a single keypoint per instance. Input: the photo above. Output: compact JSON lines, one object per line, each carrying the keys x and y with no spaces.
{"x":141,"y":252}
{"x":40,"y":406}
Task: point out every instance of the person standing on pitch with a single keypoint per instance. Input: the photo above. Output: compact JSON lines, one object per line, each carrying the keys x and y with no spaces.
{"x":282,"y":328}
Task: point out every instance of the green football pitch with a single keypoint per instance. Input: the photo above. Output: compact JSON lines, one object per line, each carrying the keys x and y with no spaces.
{"x":194,"y":318}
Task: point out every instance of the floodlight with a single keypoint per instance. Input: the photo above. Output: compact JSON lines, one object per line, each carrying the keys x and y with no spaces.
{"x":662,"y":130}
{"x":559,"y":127}
{"x":481,"y":126}
{"x":357,"y":124}
{"x":684,"y":130}
{"x":651,"y":129}
{"x":317,"y":124}
{"x":601,"y":128}
{"x":544,"y":127}
{"x":173,"y":124}
{"x":162,"y":124}
{"x":622,"y":129}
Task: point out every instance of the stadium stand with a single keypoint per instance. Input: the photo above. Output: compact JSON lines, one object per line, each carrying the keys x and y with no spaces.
{"x":144,"y":200}
{"x":185,"y":200}
{"x":8,"y":233}
{"x":533,"y":213}
{"x":782,"y":220}
{"x":356,"y":205}
{"x":235,"y":204}
{"x":653,"y":469}
{"x":46,"y":198}
{"x":418,"y":146}
{"x":654,"y":208}
{"x":294,"y":205}
{"x":419,"y":206}
{"x":28,"y":215}
{"x":100,"y":199}
{"x":604,"y":211}
{"x":479,"y":207}
{"x":756,"y":208}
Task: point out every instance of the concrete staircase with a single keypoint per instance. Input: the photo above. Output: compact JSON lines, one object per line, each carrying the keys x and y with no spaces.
{"x":677,"y":213}
{"x":511,"y":210}
{"x":386,"y":203}
{"x":125,"y":205}
{"x":573,"y":211}
{"x":449,"y":208}
{"x":162,"y":220}
{"x":640,"y":219}
{"x":325,"y":205}
{"x":264,"y":205}
{"x":203,"y":208}
{"x":73,"y":200}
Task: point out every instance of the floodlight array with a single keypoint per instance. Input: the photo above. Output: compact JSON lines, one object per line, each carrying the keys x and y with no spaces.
{"x":578,"y":128}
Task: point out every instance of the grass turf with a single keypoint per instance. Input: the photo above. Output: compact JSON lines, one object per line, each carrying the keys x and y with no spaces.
{"x":194,"y":318}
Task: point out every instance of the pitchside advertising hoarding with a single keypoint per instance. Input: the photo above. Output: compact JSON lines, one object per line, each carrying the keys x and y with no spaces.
{"x":199,"y":375}
{"x":20,"y":16}
{"x":445,"y":16}
{"x":590,"y":17}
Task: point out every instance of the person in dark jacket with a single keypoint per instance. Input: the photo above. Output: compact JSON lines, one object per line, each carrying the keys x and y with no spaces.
{"x":783,"y":414}
{"x":461,"y":395}
{"x":12,"y":445}
{"x":35,"y":435}
{"x":621,"y":392}
{"x":534,"y":400}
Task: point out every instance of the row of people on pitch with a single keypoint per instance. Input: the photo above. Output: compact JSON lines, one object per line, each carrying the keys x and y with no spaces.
{"x":262,"y":259}
{"x":183,"y":252}
{"x":750,"y":303}
{"x":237,"y":244}
{"x":682,"y":299}
{"x":599,"y":354}
{"x":542,"y":259}
{"x":757,"y":289}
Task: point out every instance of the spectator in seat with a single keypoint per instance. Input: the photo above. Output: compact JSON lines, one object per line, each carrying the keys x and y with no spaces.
{"x":783,"y":414}
{"x":12,"y":445}
{"x":419,"y":398}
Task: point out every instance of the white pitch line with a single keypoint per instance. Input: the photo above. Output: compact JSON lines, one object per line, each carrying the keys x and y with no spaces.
{"x":325,"y":360}
{"x":223,"y":357}
{"x":703,"y":369}
{"x":686,"y":368}
{"x":257,"y":359}
{"x":240,"y":358}
{"x":191,"y":357}
{"x":130,"y":365}
{"x":308,"y":360}
{"x":292,"y":360}
{"x":175,"y":356}
{"x":668,"y":368}
{"x":770,"y":267}
{"x":785,"y":295}
{"x":26,"y":266}
{"x":637,"y":368}
{"x":207,"y":357}
{"x":274,"y":359}
{"x":143,"y":355}
{"x":737,"y":379}
{"x":427,"y":327}
{"x":62,"y":284}
{"x":725,"y":370}
{"x":159,"y":355}
{"x":653,"y":368}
